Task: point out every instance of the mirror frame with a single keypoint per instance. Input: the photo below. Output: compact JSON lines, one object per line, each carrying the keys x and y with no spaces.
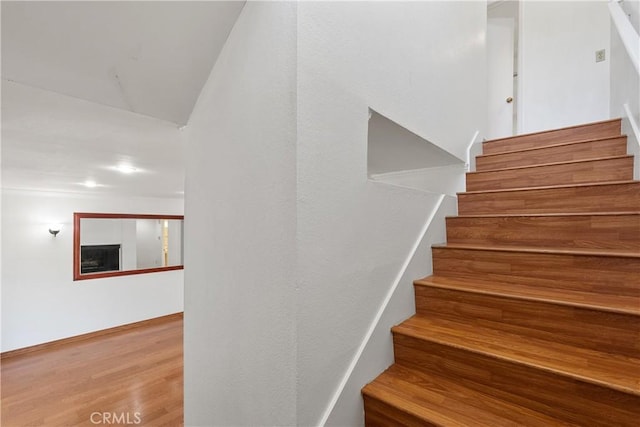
{"x":77,"y":216}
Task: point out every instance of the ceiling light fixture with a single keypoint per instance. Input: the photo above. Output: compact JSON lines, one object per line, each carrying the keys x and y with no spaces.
{"x":126,"y":169}
{"x":90,"y":183}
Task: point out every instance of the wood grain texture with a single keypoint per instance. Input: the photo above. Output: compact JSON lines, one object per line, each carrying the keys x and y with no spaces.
{"x":592,"y":273}
{"x":91,"y":335}
{"x":137,"y":370}
{"x":492,"y":363}
{"x":388,"y":410}
{"x":571,"y":151}
{"x":604,"y":197}
{"x":532,"y":315}
{"x":594,"y":231}
{"x":576,"y":326}
{"x":603,"y":129}
{"x":606,"y":302}
{"x":619,"y":168}
{"x":391,"y":400}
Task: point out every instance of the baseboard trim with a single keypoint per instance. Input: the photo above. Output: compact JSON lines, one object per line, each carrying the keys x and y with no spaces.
{"x":91,"y":335}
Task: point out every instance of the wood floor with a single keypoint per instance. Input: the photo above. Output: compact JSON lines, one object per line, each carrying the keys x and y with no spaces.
{"x":130,"y":377}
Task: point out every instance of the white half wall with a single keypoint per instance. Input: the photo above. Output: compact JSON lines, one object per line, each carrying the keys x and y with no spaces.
{"x":40,"y":300}
{"x":625,"y":81}
{"x":422,"y":65}
{"x":240,"y":240}
{"x":561,"y":84}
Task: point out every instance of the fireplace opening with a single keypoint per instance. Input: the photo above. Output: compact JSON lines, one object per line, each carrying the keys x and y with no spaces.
{"x":98,"y":258}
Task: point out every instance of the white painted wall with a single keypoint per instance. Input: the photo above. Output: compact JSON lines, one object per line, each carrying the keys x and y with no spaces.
{"x":439,"y":180}
{"x":40,"y":300}
{"x":393,"y":148}
{"x":624,"y":77}
{"x":560,"y":82}
{"x":240,"y":237}
{"x":129,"y":255}
{"x":148,"y":243}
{"x":101,"y":232}
{"x":176,"y":243}
{"x":632,"y":9}
{"x":625,"y":83}
{"x":290,"y":249}
{"x":422,"y":64}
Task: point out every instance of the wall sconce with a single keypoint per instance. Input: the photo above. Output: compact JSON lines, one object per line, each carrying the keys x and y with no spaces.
{"x":55,"y":229}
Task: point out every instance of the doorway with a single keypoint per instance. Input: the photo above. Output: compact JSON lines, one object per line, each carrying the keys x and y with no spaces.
{"x":502,"y":72}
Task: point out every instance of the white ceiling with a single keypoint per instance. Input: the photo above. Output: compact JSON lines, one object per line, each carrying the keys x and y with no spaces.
{"x":54,"y":142}
{"x":148,"y":57}
{"x":86,"y":85}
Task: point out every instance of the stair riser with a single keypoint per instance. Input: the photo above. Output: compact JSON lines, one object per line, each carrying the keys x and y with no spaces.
{"x":591,"y":329}
{"x":558,"y":396}
{"x":588,"y":231}
{"x":379,"y":414}
{"x":564,"y":153}
{"x":581,"y":133}
{"x":600,"y":198}
{"x":616,"y":169}
{"x":605,"y":275}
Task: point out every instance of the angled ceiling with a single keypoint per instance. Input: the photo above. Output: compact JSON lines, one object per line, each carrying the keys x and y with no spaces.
{"x":89,"y":85}
{"x":151,"y":58}
{"x":53,"y":142}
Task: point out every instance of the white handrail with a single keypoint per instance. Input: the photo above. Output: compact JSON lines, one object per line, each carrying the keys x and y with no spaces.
{"x":381,"y":310}
{"x":635,"y":127}
{"x":471,"y":144}
{"x":627,"y":33}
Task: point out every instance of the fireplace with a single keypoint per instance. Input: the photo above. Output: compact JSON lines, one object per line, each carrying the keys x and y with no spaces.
{"x":98,"y":258}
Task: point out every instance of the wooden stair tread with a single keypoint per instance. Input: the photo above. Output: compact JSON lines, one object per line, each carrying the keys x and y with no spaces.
{"x":541,"y":165}
{"x":437,"y":400}
{"x":555,"y":214}
{"x":603,"y":169}
{"x":532,"y":314}
{"x":615,"y":232}
{"x":563,"y":152}
{"x":613,"y":371}
{"x":589,"y":300}
{"x":607,"y":128}
{"x":550,"y":130}
{"x":561,"y":144}
{"x":544,"y":250}
{"x":585,"y":197}
{"x":551,"y":187}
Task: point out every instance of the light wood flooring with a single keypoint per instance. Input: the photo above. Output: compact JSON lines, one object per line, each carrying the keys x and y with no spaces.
{"x":129,"y":377}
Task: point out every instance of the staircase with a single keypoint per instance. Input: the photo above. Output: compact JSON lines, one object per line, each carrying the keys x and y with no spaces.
{"x":532,"y":315}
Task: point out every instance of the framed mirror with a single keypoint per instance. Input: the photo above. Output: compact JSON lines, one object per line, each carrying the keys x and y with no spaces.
{"x":107,"y":245}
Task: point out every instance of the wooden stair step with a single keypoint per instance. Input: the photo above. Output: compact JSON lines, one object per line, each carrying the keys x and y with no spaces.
{"x":564,"y":152}
{"x":607,"y":302}
{"x":615,"y":168}
{"x":595,"y":231}
{"x":622,"y":196}
{"x":406,"y":397}
{"x":602,"y":129}
{"x":532,"y":314}
{"x":604,"y":369}
{"x":523,"y":370}
{"x":587,"y":328}
{"x":606,"y":272}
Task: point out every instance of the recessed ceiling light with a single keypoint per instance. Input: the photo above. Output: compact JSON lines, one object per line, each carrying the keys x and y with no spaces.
{"x":126,"y":169}
{"x":90,"y":183}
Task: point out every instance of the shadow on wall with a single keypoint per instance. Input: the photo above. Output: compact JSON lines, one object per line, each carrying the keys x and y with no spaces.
{"x":397,"y":156}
